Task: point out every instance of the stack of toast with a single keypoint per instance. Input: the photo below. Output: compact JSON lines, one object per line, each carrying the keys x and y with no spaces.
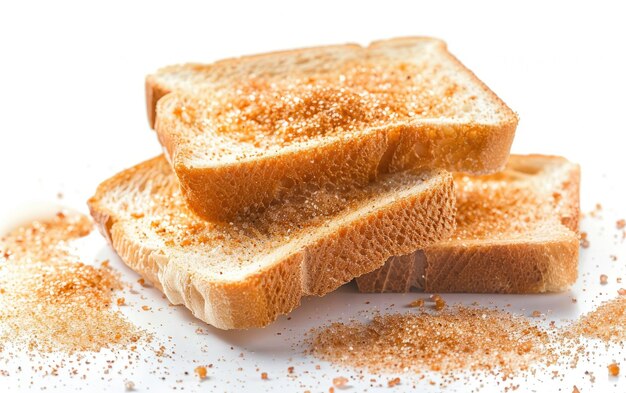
{"x":292,"y":173}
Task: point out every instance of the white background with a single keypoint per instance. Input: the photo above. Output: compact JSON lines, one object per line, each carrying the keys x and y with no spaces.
{"x":72,"y":113}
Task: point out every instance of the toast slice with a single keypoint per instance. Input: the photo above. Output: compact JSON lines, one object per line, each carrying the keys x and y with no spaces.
{"x":243,"y":133}
{"x":244,"y":274}
{"x":517,"y":232}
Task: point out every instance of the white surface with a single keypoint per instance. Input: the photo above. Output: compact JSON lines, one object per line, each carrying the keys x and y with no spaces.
{"x":71,"y":80}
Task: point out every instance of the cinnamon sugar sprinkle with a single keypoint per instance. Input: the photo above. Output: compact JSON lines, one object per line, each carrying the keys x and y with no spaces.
{"x":607,"y":322}
{"x":457,"y":338}
{"x":460,"y":338}
{"x":272,"y":112}
{"x":46,"y":291}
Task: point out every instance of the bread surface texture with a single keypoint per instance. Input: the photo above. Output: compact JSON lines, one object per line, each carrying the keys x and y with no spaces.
{"x":244,"y":133}
{"x":517,"y":232}
{"x":246,"y":273}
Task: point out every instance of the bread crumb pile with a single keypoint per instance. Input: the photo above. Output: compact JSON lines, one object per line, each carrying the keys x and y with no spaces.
{"x":458,"y":338}
{"x":49,"y":301}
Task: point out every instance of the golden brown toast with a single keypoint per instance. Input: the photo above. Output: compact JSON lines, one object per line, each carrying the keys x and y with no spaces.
{"x":244,"y":274}
{"x":242,"y":134}
{"x":516,"y":233}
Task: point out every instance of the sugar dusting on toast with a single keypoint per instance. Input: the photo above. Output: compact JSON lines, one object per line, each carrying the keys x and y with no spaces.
{"x":492,"y":209}
{"x":49,"y":301}
{"x":272,"y":113}
{"x":504,"y":205}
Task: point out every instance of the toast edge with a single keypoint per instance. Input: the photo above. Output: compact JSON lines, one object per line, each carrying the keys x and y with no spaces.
{"x":253,"y":301}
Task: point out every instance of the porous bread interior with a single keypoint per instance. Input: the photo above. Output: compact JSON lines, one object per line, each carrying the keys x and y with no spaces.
{"x":153,"y":210}
{"x":233,"y":111}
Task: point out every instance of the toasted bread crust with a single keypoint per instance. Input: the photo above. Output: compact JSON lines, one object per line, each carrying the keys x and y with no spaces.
{"x":213,"y":194}
{"x":530,"y":265}
{"x":362,"y":242}
{"x":225,"y":191}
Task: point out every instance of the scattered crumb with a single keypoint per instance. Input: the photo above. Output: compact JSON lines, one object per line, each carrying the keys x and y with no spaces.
{"x":393,"y":382}
{"x":620,"y":224}
{"x":340,"y":382}
{"x":613,"y":369}
{"x":417,"y":303}
{"x":584,"y":242}
{"x":201,"y":372}
{"x":604,"y":279}
{"x":264,"y":376}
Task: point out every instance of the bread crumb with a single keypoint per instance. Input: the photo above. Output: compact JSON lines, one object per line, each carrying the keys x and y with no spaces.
{"x":434,"y":297}
{"x":201,"y":372}
{"x":417,"y":303}
{"x":613,"y":369}
{"x":621,"y":292}
{"x":604,"y":279}
{"x":121,"y":301}
{"x":340,"y":382}
{"x":620,"y":224}
{"x":575,"y":390}
{"x":264,"y":376}
{"x":584,"y":242}
{"x":129,"y":386}
{"x":145,"y":308}
{"x":440,"y":304}
{"x":393,"y":382}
